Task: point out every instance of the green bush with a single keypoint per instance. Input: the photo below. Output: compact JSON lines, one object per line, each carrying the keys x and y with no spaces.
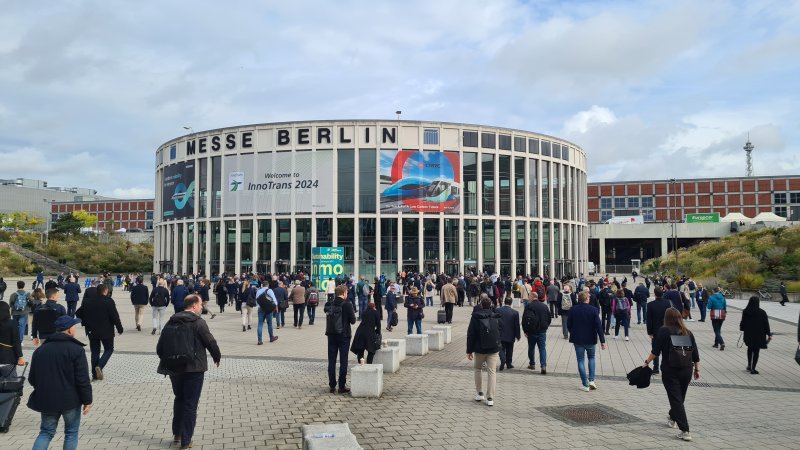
{"x":750,"y":281}
{"x":89,"y":254}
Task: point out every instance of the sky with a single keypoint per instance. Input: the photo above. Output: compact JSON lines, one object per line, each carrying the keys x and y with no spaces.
{"x":649,"y":89}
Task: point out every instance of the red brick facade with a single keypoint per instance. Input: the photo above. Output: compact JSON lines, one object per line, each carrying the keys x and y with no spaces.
{"x":112,"y":214}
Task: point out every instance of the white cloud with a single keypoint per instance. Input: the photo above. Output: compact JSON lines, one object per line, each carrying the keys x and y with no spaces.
{"x":583,"y":121}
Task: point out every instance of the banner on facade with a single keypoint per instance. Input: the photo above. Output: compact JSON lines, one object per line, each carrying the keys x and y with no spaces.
{"x":630,"y":220}
{"x":414,"y":181}
{"x":177,"y":191}
{"x":278,"y":183}
{"x":702,"y":218}
{"x":326,"y":263}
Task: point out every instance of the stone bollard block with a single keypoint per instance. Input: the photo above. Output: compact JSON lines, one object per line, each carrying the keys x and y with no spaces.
{"x":367,"y":380}
{"x":389,"y":357}
{"x":401,"y":346}
{"x":417,"y":344}
{"x":435,"y":339}
{"x":323,"y":436}
{"x":448,"y":332}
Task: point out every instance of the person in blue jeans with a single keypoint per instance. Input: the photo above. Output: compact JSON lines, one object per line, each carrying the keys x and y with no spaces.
{"x":535,"y":322}
{"x":339,"y":316}
{"x":61,"y":387}
{"x":265,"y":312}
{"x":585,"y":329}
{"x":415,"y":304}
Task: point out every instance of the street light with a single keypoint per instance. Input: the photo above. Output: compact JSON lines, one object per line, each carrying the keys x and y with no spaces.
{"x":189,"y":129}
{"x":398,"y":114}
{"x":674,"y":229}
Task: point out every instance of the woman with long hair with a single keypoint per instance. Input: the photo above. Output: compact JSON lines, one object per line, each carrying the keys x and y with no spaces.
{"x":755,"y":328}
{"x":367,"y":337}
{"x":679,"y":360}
{"x":10,"y":346}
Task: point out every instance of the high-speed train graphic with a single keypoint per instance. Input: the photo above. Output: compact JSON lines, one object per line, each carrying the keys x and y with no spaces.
{"x":432,"y":191}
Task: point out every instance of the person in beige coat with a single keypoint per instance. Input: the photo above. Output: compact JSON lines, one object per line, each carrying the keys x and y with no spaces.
{"x":298,"y":298}
{"x":449,"y":298}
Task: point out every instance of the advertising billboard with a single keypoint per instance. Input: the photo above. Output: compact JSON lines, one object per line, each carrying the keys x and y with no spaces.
{"x":420,"y":181}
{"x":278,"y":182}
{"x":626,"y":220}
{"x":326,"y":263}
{"x":177,"y":193}
{"x":702,"y":218}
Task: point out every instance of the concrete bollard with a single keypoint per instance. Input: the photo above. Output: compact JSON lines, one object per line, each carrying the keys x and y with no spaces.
{"x":417,"y":344}
{"x":448,"y":332}
{"x":389,"y":357}
{"x":323,"y":436}
{"x":401,"y":346}
{"x":367,"y":380}
{"x":435,"y":339}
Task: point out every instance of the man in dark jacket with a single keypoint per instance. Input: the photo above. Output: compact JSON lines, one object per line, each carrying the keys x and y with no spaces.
{"x":535,"y":322}
{"x":60,"y":379}
{"x":584,"y":331}
{"x":71,"y":291}
{"x":178,"y":294}
{"x":553,"y":295}
{"x":640,"y":295}
{"x":483,"y":341}
{"x":509,"y":317}
{"x":655,"y":317}
{"x":674,"y":297}
{"x":338,"y":343}
{"x":45,"y":316}
{"x":187,"y":380}
{"x":139,"y":296}
{"x":99,"y":316}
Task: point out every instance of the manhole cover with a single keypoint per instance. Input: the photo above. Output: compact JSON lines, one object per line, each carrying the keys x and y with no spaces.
{"x":591,"y":414}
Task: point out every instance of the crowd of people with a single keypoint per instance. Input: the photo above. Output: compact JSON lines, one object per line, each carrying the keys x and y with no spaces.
{"x":587,"y":308}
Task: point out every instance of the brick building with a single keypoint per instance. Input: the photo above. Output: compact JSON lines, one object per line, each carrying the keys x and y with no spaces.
{"x":111,"y":214}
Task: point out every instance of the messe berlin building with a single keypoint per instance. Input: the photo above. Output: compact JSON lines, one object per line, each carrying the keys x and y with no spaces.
{"x":396,"y":195}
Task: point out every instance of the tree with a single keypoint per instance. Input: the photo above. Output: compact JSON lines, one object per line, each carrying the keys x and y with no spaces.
{"x":67,"y":224}
{"x":20,"y":220}
{"x":87,"y":219}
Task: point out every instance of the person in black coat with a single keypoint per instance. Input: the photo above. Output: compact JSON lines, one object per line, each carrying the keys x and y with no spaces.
{"x":391,"y":307}
{"x":61,"y":388}
{"x":484,"y":348}
{"x":655,"y":318}
{"x":99,"y":316}
{"x":755,"y":327}
{"x":139,"y":296}
{"x":339,"y":343}
{"x":10,"y":346}
{"x":368,"y":334}
{"x":509,"y":317}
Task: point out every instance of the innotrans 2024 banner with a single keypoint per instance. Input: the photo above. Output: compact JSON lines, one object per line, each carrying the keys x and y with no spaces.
{"x":177,"y":200}
{"x":420,"y":181}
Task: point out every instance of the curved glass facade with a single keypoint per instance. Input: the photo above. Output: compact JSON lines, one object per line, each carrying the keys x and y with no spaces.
{"x":397,"y":195}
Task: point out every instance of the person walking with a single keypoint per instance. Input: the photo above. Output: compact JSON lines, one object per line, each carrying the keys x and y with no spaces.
{"x":247,"y":305}
{"x":449,"y":297}
{"x":414,"y":304}
{"x":282,"y":298}
{"x":10,"y":346}
{"x":702,"y":296}
{"x":368,"y":334}
{"x":429,"y":291}
{"x":3,"y":287}
{"x":43,"y":324}
{"x":755,"y":329}
{"x":298,"y":297}
{"x":391,"y":307}
{"x":718,"y":307}
{"x":784,"y":295}
{"x":678,"y":363}
{"x":20,"y":303}
{"x":585,"y":329}
{"x":621,"y":309}
{"x":483,"y":347}
{"x":535,"y":322}
{"x":159,"y":300}
{"x":99,"y":316}
{"x":553,"y":296}
{"x":640,"y":296}
{"x":179,"y":293}
{"x":139,"y":298}
{"x":339,"y":317}
{"x":267,"y":306}
{"x":565,"y":303}
{"x":61,"y":388}
{"x":312,"y":301}
{"x":186,"y":370}
{"x":655,"y":318}
{"x":378,"y":292}
{"x":509,"y":319}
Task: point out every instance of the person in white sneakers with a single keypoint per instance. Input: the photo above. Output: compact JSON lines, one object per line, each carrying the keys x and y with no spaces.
{"x":483,"y":346}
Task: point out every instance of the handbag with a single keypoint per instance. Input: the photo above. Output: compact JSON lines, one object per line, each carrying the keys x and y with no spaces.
{"x":718,"y":314}
{"x":9,"y":383}
{"x":797,"y":355}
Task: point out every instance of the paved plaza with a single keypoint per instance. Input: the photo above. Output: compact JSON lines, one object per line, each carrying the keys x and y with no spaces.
{"x":260,"y":396}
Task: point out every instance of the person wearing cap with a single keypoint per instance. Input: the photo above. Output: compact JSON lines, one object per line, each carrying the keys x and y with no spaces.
{"x":415,"y":305}
{"x":61,"y":387}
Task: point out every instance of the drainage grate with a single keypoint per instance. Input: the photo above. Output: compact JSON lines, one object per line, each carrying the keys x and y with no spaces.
{"x":591,"y":415}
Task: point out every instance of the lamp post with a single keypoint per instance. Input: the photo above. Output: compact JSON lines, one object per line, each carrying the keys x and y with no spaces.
{"x":189,"y":129}
{"x":674,"y":228}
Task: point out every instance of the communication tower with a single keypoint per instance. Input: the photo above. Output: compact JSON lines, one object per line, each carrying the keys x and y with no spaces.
{"x":748,"y":148}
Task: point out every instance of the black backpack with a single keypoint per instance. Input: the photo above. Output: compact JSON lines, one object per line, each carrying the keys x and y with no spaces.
{"x":489,"y":328}
{"x":606,"y":297}
{"x":251,"y":297}
{"x":45,"y":317}
{"x":334,"y":319}
{"x":176,"y":345}
{"x":159,"y":299}
{"x":265,"y":302}
{"x":680,"y":351}
{"x":530,"y":322}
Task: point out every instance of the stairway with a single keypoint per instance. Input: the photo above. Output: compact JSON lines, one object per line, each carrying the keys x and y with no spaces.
{"x":49,"y":266}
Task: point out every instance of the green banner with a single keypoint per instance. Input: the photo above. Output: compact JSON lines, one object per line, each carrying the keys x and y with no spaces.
{"x":326,"y":263}
{"x":702,"y":218}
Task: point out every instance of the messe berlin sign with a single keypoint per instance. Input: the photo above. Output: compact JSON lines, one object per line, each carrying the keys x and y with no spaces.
{"x":326,"y":263}
{"x":702,"y":218}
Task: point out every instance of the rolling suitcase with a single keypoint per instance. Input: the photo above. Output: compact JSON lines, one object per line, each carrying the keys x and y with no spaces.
{"x":10,"y":395}
{"x":441,"y":316}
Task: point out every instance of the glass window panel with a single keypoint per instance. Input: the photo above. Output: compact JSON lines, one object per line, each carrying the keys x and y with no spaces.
{"x":302,"y":235}
{"x":215,"y":242}
{"x":367,"y":249}
{"x":201,"y":244}
{"x":264,"y":243}
{"x":325,"y":232}
{"x":284,"y":234}
{"x":504,"y":180}
{"x":410,"y":241}
{"x":556,"y":241}
{"x":534,"y":248}
{"x":488,"y":140}
{"x":471,"y":244}
{"x":546,"y":242}
{"x":505,"y":240}
{"x":345,"y":236}
{"x":367,"y":178}
{"x":794,"y":197}
{"x":431,"y":137}
{"x":470,"y":183}
{"x":648,"y":215}
{"x":556,"y":190}
{"x":545,"y":147}
{"x":605,"y":203}
{"x":520,"y":241}
{"x":246,"y":242}
{"x":230,"y":247}
{"x":519,"y":144}
{"x":619,"y":202}
{"x":488,"y":242}
{"x":346,"y":183}
{"x":487,"y":175}
{"x":179,"y":254}
{"x":780,"y":198}
{"x":504,"y":142}
{"x":203,"y":181}
{"x":781,"y":211}
{"x":533,"y":187}
{"x":452,"y":237}
{"x":647,"y":202}
{"x":190,"y":248}
{"x":545,"y":189}
{"x":533,"y":146}
{"x":519,"y":186}
{"x":470,"y":139}
{"x":565,"y":152}
{"x":389,"y":245}
{"x":216,"y":185}
{"x":430,"y":239}
{"x":605,"y":215}
{"x":633,"y":202}
{"x":556,"y":150}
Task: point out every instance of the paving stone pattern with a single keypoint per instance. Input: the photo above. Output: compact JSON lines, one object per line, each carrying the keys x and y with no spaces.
{"x":260,"y":396}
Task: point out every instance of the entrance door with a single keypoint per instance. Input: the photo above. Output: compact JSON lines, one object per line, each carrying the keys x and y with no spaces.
{"x":281,"y":266}
{"x":432,"y":267}
{"x":263,"y":266}
{"x":451,"y":268}
{"x":165,"y":266}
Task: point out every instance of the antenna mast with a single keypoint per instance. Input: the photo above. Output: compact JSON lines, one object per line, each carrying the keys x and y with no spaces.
{"x":748,"y":148}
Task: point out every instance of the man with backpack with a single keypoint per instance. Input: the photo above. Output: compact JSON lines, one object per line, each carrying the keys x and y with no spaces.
{"x":606,"y":298}
{"x":640,"y":296}
{"x":363,"y":290}
{"x":483,"y":346}
{"x":339,"y":316}
{"x":567,"y":300}
{"x":282,"y":301}
{"x":248,"y":305}
{"x":267,"y":306}
{"x":182,"y":353}
{"x":21,"y":304}
{"x":535,"y":322}
{"x":312,"y":301}
{"x":553,"y":296}
{"x":45,"y":316}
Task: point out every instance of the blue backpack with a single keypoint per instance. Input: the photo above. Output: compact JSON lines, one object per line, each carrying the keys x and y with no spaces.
{"x":21,"y":302}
